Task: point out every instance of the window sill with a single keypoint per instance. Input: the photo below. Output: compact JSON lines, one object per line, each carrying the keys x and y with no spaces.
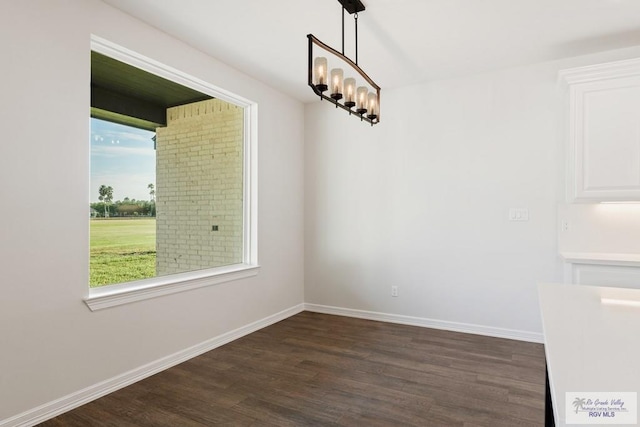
{"x":126,"y":293}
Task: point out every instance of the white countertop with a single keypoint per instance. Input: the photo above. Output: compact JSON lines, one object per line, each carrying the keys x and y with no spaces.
{"x":589,"y":346}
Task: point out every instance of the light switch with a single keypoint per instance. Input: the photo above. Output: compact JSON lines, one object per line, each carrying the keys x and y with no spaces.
{"x":518,"y":214}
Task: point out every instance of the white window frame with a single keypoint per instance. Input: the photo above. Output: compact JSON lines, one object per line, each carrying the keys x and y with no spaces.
{"x":124,"y":293}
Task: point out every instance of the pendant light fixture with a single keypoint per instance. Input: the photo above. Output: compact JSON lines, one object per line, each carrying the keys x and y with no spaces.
{"x":357,"y":94}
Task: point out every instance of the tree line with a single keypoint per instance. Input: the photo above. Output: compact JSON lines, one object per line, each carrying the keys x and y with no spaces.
{"x":106,"y":207}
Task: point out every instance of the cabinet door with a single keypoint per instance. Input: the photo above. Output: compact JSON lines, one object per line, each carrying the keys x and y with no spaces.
{"x":604,"y":133}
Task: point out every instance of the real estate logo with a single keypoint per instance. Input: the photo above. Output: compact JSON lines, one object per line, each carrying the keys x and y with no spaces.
{"x":601,"y":408}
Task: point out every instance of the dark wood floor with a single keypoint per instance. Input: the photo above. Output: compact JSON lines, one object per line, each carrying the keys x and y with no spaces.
{"x":315,"y":369}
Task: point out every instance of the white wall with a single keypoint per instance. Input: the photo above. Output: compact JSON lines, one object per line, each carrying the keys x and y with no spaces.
{"x":421,"y":200}
{"x":50,"y":343}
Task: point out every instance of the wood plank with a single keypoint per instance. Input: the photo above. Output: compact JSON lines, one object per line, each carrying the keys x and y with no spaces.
{"x":316,"y":369}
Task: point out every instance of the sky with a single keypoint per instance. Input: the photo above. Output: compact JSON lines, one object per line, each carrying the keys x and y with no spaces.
{"x":121,"y":157}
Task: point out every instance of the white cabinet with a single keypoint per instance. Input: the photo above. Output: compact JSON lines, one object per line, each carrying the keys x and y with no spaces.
{"x":602,"y":269}
{"x":603,"y":132}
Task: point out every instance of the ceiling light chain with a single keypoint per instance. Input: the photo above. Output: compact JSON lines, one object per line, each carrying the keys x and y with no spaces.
{"x":355,"y":19}
{"x":343,"y":30}
{"x":366,"y":98}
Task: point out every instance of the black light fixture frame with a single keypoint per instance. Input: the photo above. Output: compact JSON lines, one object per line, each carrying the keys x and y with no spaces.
{"x":351,"y":6}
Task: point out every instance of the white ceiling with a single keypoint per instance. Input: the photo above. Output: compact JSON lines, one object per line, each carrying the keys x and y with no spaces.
{"x":401,"y":42}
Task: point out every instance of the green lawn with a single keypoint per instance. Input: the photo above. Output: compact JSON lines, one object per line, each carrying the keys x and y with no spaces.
{"x":122,"y":250}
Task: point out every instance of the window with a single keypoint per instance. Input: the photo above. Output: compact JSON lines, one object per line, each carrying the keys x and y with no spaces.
{"x":122,"y":209}
{"x":173,"y":191}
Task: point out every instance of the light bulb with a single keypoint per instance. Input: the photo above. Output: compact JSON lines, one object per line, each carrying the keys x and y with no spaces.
{"x":349,"y":92}
{"x":372,"y":106}
{"x":361,"y":99}
{"x":336,"y":83}
{"x":320,"y":73}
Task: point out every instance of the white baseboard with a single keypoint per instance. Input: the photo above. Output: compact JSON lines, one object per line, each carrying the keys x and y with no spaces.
{"x":73,"y":400}
{"x":428,"y":323}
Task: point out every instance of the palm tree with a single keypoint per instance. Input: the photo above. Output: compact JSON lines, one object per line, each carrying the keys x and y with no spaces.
{"x":106,"y":195}
{"x":152,"y":192}
{"x":578,"y":403}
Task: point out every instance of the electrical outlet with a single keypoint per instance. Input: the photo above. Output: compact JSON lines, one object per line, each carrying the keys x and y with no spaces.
{"x":565,"y":225}
{"x":394,"y":291}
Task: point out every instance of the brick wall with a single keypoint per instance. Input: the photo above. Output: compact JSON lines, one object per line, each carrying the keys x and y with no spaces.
{"x":199,"y":187}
